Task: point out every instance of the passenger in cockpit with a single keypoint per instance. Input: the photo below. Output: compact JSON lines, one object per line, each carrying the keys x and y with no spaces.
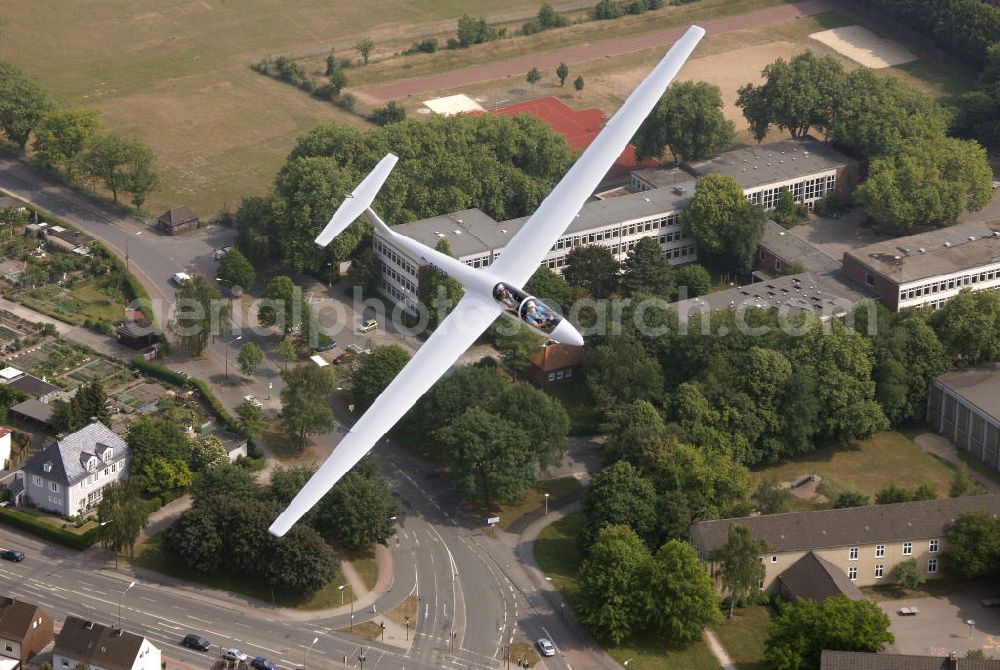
{"x":538,"y":315}
{"x":503,"y":294}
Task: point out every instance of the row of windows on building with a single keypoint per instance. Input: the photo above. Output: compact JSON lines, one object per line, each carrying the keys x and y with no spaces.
{"x":631,"y":229}
{"x":399,"y":277}
{"x":393,"y":292}
{"x":854,"y":553}
{"x":807,"y":191}
{"x":84,"y":483}
{"x":390,"y":253}
{"x":560,"y":374}
{"x":949,"y":284}
{"x":852,"y":572}
{"x":616,"y":249}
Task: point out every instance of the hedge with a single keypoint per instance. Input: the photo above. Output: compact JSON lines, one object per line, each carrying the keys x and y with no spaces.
{"x":35,"y":526}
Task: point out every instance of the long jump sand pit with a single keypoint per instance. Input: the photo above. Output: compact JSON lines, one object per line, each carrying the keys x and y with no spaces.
{"x":865,"y":47}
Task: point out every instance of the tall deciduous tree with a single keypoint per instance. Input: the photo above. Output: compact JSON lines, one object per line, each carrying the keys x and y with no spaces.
{"x":694,"y":278}
{"x":688,"y":121}
{"x":614,"y":598}
{"x":562,"y":72}
{"x":122,"y":515}
{"x":121,"y":163}
{"x":206,"y":453}
{"x":578,"y":83}
{"x":250,"y":358}
{"x":619,"y":494}
{"x":518,"y":347}
{"x":684,"y":600}
{"x":141,"y":177}
{"x":803,"y":629}
{"x":62,"y":137}
{"x":364,"y":47}
{"x":375,"y":372}
{"x":23,"y":103}
{"x":236,"y":269}
{"x":534,"y":76}
{"x":928,"y":181}
{"x":359,"y":511}
{"x":305,"y":408}
{"x":741,"y":569}
{"x":722,"y":221}
{"x":249,"y":420}
{"x":620,"y":371}
{"x":592,"y":268}
{"x":969,"y":326}
{"x":973,"y":546}
{"x":550,"y":287}
{"x":200,"y":314}
{"x":796,"y":96}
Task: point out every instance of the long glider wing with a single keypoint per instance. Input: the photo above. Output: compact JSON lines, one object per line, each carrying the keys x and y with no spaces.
{"x":358,"y":201}
{"x":521,"y":257}
{"x":455,"y":334}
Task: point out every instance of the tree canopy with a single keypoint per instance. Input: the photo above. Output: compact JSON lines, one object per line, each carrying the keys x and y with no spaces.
{"x":688,"y":121}
{"x":305,"y":407}
{"x":375,"y":372}
{"x":201,"y":314}
{"x":23,"y":103}
{"x":723,"y":222}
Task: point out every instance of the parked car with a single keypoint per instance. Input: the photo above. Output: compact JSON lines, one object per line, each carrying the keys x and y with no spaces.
{"x":180,"y":278}
{"x":252,"y":399}
{"x":261,"y":663}
{"x":545,"y":647}
{"x":370,"y":324}
{"x":326,"y":347}
{"x":196,"y":642}
{"x":11,"y":555}
{"x":219,"y":253}
{"x":343,"y":358}
{"x":233,"y":655}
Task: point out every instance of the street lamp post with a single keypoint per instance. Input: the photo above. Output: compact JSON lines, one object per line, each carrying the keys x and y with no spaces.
{"x":546,"y":504}
{"x":127,"y":237}
{"x":407,"y":628}
{"x":124,"y":593}
{"x":972,"y":626}
{"x":236,"y":339}
{"x":362,"y":659}
{"x":101,"y":525}
{"x":341,"y":589}
{"x":308,"y":649}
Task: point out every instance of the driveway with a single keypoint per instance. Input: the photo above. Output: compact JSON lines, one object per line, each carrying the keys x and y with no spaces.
{"x":941,"y":627}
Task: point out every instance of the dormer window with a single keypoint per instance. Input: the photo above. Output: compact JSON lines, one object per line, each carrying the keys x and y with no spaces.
{"x":92,"y":464}
{"x":47,"y":466}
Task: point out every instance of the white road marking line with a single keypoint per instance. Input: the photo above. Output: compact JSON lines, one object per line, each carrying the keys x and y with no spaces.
{"x":197,"y":619}
{"x":273,"y":651}
{"x":150,"y":600}
{"x":242,"y":625}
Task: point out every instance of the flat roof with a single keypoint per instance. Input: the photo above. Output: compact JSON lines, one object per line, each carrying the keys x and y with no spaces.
{"x":471,"y":231}
{"x":787,"y":246}
{"x":9,"y":373}
{"x":34,"y":409}
{"x":945,"y":251}
{"x":773,"y":163}
{"x":826,"y":295}
{"x":979,"y":384}
{"x":661,"y":177}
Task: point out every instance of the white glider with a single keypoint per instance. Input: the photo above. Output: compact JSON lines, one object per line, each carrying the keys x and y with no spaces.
{"x":488,"y":293}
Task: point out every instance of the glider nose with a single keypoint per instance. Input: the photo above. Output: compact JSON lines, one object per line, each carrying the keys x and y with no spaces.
{"x":567,"y":334}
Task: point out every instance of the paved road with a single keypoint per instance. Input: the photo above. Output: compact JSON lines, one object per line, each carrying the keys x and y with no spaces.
{"x":611,"y":47}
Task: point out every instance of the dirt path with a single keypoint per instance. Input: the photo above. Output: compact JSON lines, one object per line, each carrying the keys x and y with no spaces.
{"x":587,"y":52}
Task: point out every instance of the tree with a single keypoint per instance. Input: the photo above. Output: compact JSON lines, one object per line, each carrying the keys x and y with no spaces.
{"x":359,"y":511}
{"x":236,"y":270}
{"x":967,"y":326}
{"x":619,"y":494}
{"x":156,"y":437}
{"x":722,"y":221}
{"x":88,"y":404}
{"x":550,"y":287}
{"x":364,"y":47}
{"x":771,"y":497}
{"x":685,"y":600}
{"x":688,"y":120}
{"x":803,"y":629}
{"x":694,"y":278}
{"x":250,"y":358}
{"x":907,"y":574}
{"x":375,"y":372}
{"x":796,"y":96}
{"x":391,"y":113}
{"x":927,"y":181}
{"x":288,"y":351}
{"x":23,"y":104}
{"x":439,"y":293}
{"x":226,"y":479}
{"x":741,"y":569}
{"x":459,"y":390}
{"x":620,"y":372}
{"x":200,"y":314}
{"x":473,"y":31}
{"x":578,"y":83}
{"x":592,"y":268}
{"x":534,"y":76}
{"x":562,"y":72}
{"x":207,"y":453}
{"x":141,"y":177}
{"x":607,"y":9}
{"x":646,"y":270}
{"x":163,"y":475}
{"x":517,"y":348}
{"x":122,"y":516}
{"x":300,"y":562}
{"x":195,"y":539}
{"x":122,"y":164}
{"x":305,"y":408}
{"x":973,"y":546}
{"x":924,"y":492}
{"x":488,"y":455}
{"x":850,"y":499}
{"x":249,"y":420}
{"x":283,"y":305}
{"x":614,"y":601}
{"x":62,"y":137}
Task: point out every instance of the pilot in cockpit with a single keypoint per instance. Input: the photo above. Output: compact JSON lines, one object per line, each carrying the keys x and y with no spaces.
{"x":504,"y":295}
{"x":538,"y":315}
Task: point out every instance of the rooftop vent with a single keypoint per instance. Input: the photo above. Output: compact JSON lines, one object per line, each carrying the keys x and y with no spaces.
{"x":947,"y":244}
{"x":922,"y":250}
{"x":457,"y":231}
{"x":504,"y":230}
{"x":972,"y":238}
{"x":996,"y":233}
{"x":646,"y":199}
{"x":897,"y":258}
{"x":89,"y":625}
{"x":781,"y":233}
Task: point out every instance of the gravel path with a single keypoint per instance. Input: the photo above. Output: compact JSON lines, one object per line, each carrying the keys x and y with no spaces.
{"x":586,"y":52}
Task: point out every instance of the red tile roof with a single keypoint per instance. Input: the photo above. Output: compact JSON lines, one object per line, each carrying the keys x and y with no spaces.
{"x":578,"y":126}
{"x":557,"y":356}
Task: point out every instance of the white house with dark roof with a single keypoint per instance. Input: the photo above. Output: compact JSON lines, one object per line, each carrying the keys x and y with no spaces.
{"x":99,"y":647}
{"x":68,"y":476}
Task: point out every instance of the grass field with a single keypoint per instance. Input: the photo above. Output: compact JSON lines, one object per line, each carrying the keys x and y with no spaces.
{"x":533,"y":498}
{"x":743,"y":637}
{"x":152,"y":556}
{"x":898,"y":461}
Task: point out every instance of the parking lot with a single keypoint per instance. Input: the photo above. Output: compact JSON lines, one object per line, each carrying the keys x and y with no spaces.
{"x":941,"y":626}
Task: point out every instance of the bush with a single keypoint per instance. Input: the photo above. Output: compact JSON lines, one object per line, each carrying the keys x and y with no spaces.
{"x":427,"y":46}
{"x":907,"y":574}
{"x":39,"y":528}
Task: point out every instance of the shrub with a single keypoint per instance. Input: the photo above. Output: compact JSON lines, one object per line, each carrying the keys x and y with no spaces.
{"x":39,"y":528}
{"x":907,"y":574}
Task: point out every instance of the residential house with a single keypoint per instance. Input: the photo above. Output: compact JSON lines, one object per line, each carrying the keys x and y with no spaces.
{"x":865,"y":543}
{"x":68,"y":476}
{"x":25,"y":630}
{"x":863,"y":660}
{"x":964,"y":406}
{"x":178,"y":220}
{"x":555,"y":364}
{"x":99,"y":647}
{"x":30,"y":384}
{"x":929,"y":268}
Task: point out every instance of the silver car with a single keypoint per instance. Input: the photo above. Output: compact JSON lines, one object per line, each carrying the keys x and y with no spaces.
{"x":234,"y":655}
{"x":546,"y":647}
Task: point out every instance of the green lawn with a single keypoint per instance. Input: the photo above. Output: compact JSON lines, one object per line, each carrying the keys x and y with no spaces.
{"x":533,"y":499}
{"x":743,"y":637}
{"x":868,"y":466}
{"x":559,"y":558}
{"x":366,"y":566}
{"x":152,"y":556}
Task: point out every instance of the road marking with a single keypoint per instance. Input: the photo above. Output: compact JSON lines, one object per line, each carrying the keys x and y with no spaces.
{"x":427,"y":608}
{"x":197,"y":619}
{"x":260,"y":646}
{"x":242,"y":625}
{"x":169,"y":626}
{"x":150,"y":600}
{"x":287,"y":662}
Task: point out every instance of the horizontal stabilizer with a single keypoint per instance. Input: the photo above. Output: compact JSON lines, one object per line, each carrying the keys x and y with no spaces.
{"x":358,"y":201}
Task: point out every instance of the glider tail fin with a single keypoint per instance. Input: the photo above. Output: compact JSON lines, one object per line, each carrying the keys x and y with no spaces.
{"x":358,"y":202}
